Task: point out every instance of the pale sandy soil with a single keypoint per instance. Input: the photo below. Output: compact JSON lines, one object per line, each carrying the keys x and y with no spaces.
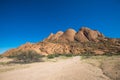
{"x":110,"y":65}
{"x":67,"y":69}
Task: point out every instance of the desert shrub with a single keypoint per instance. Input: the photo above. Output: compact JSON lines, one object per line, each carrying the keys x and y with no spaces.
{"x":50,"y":56}
{"x":108,"y":54}
{"x":111,"y":53}
{"x":57,"y":55}
{"x":68,"y":55}
{"x":87,"y":54}
{"x":1,"y":56}
{"x":27,"y":57}
{"x":118,"y":53}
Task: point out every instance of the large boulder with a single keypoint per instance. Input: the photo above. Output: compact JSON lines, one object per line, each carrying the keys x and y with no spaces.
{"x":68,"y":36}
{"x":80,"y":37}
{"x":86,"y":34}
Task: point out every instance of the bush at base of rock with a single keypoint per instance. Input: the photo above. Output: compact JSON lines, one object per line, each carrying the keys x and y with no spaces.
{"x":27,"y":57}
{"x":1,"y":56}
{"x":50,"y":56}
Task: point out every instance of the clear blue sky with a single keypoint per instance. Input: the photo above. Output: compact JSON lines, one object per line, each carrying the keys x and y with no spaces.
{"x":24,"y":21}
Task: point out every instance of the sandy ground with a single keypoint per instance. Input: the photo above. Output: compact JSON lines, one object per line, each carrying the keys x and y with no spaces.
{"x":68,"y":69}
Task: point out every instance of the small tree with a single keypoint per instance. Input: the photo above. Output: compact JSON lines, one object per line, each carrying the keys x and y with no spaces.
{"x":50,"y":56}
{"x":27,"y":57}
{"x":1,"y":56}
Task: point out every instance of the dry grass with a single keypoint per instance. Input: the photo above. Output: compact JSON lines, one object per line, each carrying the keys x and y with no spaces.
{"x":109,"y":64}
{"x":6,"y":65}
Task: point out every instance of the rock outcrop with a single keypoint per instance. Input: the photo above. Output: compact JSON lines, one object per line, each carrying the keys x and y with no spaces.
{"x":70,"y":41}
{"x":68,"y":36}
{"x":54,"y":37}
{"x":83,"y":35}
{"x":86,"y":34}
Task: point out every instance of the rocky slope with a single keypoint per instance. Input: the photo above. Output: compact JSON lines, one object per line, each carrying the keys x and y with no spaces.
{"x":70,"y":41}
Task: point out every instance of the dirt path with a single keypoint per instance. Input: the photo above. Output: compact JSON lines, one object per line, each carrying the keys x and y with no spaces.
{"x":69,"y":69}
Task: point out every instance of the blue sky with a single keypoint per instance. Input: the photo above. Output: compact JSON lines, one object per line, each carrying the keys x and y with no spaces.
{"x":24,"y":21}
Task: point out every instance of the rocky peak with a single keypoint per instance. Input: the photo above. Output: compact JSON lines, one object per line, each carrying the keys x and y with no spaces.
{"x":86,"y":34}
{"x":54,"y":37}
{"x":83,"y":35}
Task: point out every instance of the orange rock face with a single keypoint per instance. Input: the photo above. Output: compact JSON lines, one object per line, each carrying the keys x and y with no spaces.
{"x":83,"y":35}
{"x":68,"y":35}
{"x":86,"y":34}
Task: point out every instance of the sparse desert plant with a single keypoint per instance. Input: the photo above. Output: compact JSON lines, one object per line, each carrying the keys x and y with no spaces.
{"x":1,"y":56}
{"x":108,"y":54}
{"x":111,"y":53}
{"x":103,"y":62}
{"x":57,"y":55}
{"x":50,"y":56}
{"x":68,"y":55}
{"x":118,"y":53}
{"x":27,"y":57}
{"x":87,"y":54}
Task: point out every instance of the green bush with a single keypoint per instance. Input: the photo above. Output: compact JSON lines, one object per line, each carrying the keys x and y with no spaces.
{"x":68,"y":55}
{"x":57,"y":55}
{"x":1,"y":56}
{"x":27,"y":57}
{"x":87,"y":54}
{"x":50,"y":56}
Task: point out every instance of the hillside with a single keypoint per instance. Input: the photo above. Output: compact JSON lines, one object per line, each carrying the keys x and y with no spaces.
{"x":72,"y":42}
